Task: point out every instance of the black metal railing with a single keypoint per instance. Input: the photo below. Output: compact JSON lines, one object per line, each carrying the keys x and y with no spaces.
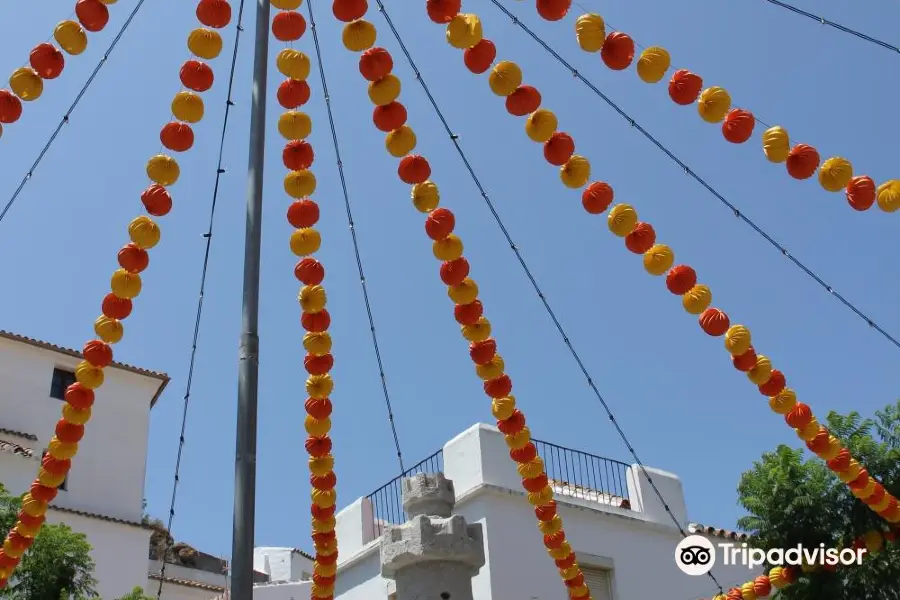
{"x":387,"y":501}
{"x":578,"y":475}
{"x":573,"y":474}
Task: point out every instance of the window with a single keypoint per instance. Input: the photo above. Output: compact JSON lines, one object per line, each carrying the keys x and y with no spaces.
{"x":599,"y":580}
{"x":65,"y":484}
{"x":61,"y":380}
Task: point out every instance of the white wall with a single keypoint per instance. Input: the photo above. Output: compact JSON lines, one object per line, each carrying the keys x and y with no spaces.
{"x":107,"y":475}
{"x":119,"y":552}
{"x":281,"y":564}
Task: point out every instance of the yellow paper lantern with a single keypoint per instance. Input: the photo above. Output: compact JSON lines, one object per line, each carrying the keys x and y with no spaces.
{"x":833,"y":449}
{"x":321,"y":465}
{"x":324,"y":499}
{"x":658,"y":259}
{"x":737,"y":340}
{"x":294,"y":125}
{"x":88,"y":375}
{"x":783,"y":402}
{"x":300,"y":184}
{"x":697,"y":299}
{"x":325,"y":570}
{"x":109,"y":330}
{"x":76,"y":416}
{"x":550,"y":527}
{"x":359,"y":36}
{"x":319,"y":386}
{"x":874,"y":541}
{"x":71,"y":37}
{"x":33,"y":507}
{"x":713,"y":104}
{"x":312,"y":298}
{"x":385,"y":90}
{"x":576,"y":172}
{"x":26,"y":84}
{"x":163,"y":170}
{"x":464,"y":31}
{"x":747,"y":591}
{"x":835,"y":173}
{"x":505,"y":77}
{"x":540,"y":125}
{"x":809,"y":431}
{"x":653,"y":64}
{"x":887,"y":195}
{"x":425,"y":196}
{"x":519,"y":440}
{"x":449,"y":248}
{"x":776,"y":577}
{"x":61,"y":450}
{"x":286,"y":4}
{"x":50,"y":480}
{"x":305,"y":241}
{"x":400,"y":141}
{"x":533,"y":468}
{"x":492,"y":370}
{"x":144,"y":232}
{"x":324,"y":525}
{"x":187,"y":107}
{"x":621,"y":219}
{"x":590,"y":30}
{"x":317,"y":427}
{"x":776,"y":144}
{"x":541,"y":498}
{"x":503,"y":408}
{"x":760,"y":374}
{"x":317,"y":343}
{"x":465,"y":292}
{"x":205,"y":43}
{"x":125,"y":285}
{"x":477,"y":332}
{"x":293,"y":64}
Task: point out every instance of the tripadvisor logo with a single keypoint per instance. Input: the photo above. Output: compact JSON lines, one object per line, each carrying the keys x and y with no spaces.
{"x":696,"y":555}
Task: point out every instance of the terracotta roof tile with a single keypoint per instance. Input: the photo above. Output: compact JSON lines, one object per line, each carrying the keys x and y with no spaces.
{"x":90,"y":515}
{"x":14,"y":433}
{"x":164,"y":378}
{"x":718,"y":532}
{"x":202,"y":585}
{"x":303,"y":554}
{"x":14,"y":448}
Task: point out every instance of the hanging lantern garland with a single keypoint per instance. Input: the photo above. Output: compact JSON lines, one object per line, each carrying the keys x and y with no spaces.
{"x":390,"y":116}
{"x":133,"y":258}
{"x":464,"y":31}
{"x":295,"y":126}
{"x":778,"y":578}
{"x":46,"y":61}
{"x":714,"y":105}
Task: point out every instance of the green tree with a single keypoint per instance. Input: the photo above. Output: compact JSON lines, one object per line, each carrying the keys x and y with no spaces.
{"x":791,"y":500}
{"x":136,"y":594}
{"x":58,"y":566}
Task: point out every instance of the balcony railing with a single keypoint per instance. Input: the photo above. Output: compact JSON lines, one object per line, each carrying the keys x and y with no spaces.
{"x":572,"y":474}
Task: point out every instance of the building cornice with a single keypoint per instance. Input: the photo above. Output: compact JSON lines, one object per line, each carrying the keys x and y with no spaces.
{"x":161,"y":377}
{"x":200,"y":585}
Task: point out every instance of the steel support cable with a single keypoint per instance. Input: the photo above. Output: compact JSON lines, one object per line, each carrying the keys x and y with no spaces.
{"x":838,"y":26}
{"x":65,"y":118}
{"x":737,"y":212}
{"x":208,"y":235}
{"x":455,"y":139}
{"x":350,"y":223}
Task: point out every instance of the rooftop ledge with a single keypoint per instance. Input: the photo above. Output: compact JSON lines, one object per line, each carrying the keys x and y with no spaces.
{"x":477,"y":461}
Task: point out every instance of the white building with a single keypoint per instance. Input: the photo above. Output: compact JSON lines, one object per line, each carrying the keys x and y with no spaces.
{"x":624,"y":539}
{"x":103,"y":495}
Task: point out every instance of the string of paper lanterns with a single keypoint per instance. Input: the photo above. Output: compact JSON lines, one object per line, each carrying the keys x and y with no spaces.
{"x":778,"y":578}
{"x":295,"y":126}
{"x":390,"y":116}
{"x":125,"y":285}
{"x":714,"y":105}
{"x":46,"y":61}
{"x":464,"y":31}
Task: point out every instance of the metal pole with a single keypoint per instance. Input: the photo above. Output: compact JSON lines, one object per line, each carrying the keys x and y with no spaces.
{"x":248,"y":373}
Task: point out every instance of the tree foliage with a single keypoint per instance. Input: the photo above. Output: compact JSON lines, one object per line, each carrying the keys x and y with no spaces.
{"x":136,"y":594}
{"x":791,"y":500}
{"x":58,"y":566}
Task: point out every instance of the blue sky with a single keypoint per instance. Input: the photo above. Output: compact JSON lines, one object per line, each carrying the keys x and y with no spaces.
{"x":671,"y":386}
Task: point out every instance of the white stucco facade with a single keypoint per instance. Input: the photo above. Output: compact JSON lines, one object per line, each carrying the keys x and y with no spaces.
{"x":626,"y":547}
{"x":103,"y":495}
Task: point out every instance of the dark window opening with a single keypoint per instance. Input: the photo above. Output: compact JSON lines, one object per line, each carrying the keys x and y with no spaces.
{"x":61,"y":380}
